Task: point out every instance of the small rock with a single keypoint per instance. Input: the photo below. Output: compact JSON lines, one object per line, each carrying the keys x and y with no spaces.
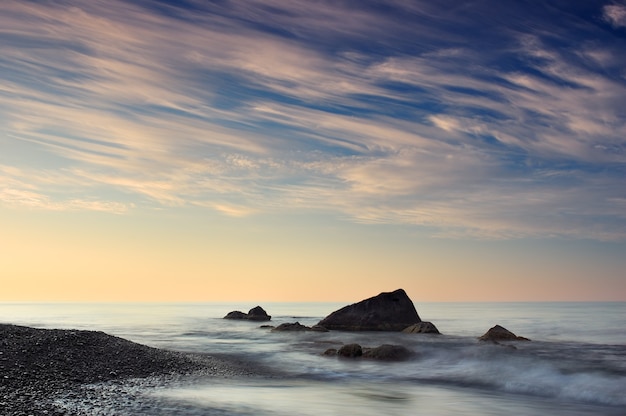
{"x":350,"y":351}
{"x":498,"y":333}
{"x":291,"y":326}
{"x":388,"y":352}
{"x":255,"y":314}
{"x":421,"y":328}
{"x":258,"y":314}
{"x":236,"y":315}
{"x":319,"y":328}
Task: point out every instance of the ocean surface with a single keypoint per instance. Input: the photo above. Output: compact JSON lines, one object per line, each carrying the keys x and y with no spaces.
{"x":574,"y":365}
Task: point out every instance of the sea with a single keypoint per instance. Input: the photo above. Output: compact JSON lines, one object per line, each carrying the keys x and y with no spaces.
{"x":575,"y":363}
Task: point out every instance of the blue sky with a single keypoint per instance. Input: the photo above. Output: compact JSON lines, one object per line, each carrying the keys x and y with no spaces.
{"x":459,"y":121}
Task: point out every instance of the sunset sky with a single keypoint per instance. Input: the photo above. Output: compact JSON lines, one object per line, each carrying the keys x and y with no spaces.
{"x":312,"y":150}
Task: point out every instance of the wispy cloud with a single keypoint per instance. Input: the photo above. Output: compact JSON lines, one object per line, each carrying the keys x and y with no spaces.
{"x":386,"y":116}
{"x":615,"y":14}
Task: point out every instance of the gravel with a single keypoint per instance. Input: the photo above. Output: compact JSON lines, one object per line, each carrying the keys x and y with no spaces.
{"x":40,"y":369}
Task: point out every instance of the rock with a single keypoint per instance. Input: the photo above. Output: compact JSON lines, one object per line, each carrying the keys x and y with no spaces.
{"x":350,"y":351}
{"x":258,"y":314}
{"x":388,"y":352}
{"x":384,"y":352}
{"x":255,"y":314}
{"x":498,"y":333}
{"x":389,"y":311}
{"x":319,"y":328}
{"x":291,"y":326}
{"x":236,"y":315}
{"x":421,"y":328}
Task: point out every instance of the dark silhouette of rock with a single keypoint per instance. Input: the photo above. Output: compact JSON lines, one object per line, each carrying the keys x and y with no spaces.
{"x":498,"y":333}
{"x":258,"y":314}
{"x":388,"y":352}
{"x":389,"y":311}
{"x":291,"y":326}
{"x":350,"y":351}
{"x":255,"y":314}
{"x":421,"y":328}
{"x":319,"y":328}
{"x":384,"y":352}
{"x":236,"y":315}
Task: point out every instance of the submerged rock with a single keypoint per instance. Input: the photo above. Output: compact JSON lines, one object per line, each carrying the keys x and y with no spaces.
{"x":350,"y":351}
{"x":330,"y":351}
{"x":319,"y":328}
{"x":255,"y":314}
{"x":291,"y":326}
{"x":297,"y":326}
{"x":388,"y":311}
{"x":388,"y":352}
{"x":498,"y":333}
{"x":421,"y":328}
{"x":385,"y":352}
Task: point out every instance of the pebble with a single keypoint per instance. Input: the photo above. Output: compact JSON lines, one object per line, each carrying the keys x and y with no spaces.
{"x":89,"y":369}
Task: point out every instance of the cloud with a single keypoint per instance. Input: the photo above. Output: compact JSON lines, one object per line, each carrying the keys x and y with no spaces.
{"x":233,"y":211}
{"x":19,"y":198}
{"x":615,"y":14}
{"x":37,"y":189}
{"x":386,"y":116}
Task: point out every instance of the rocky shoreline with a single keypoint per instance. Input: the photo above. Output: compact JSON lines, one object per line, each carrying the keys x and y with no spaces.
{"x":64,"y":372}
{"x":39,"y":366}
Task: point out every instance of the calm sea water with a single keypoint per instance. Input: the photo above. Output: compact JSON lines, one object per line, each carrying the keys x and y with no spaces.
{"x":575,"y":365}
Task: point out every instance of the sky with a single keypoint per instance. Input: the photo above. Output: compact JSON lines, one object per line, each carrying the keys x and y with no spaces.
{"x":269,"y":150}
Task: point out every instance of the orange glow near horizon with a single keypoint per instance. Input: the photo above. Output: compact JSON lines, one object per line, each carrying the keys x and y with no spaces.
{"x":118,"y":260}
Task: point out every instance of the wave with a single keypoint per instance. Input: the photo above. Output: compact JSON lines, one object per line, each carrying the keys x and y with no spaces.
{"x":570,"y":372}
{"x":528,"y":377}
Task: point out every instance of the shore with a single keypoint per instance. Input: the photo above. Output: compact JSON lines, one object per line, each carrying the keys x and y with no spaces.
{"x":40,"y":366}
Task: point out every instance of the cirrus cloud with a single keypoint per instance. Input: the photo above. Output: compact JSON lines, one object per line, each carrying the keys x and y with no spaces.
{"x":386,"y":116}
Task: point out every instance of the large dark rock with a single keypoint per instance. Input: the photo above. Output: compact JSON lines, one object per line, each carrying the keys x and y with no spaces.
{"x":421,"y":328}
{"x":498,"y":333}
{"x":255,"y":314}
{"x":389,"y":311}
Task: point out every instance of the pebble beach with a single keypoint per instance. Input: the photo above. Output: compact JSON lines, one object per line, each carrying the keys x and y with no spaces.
{"x":41,"y":367}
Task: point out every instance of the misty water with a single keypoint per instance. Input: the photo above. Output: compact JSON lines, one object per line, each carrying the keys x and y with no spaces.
{"x":574,"y":365}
